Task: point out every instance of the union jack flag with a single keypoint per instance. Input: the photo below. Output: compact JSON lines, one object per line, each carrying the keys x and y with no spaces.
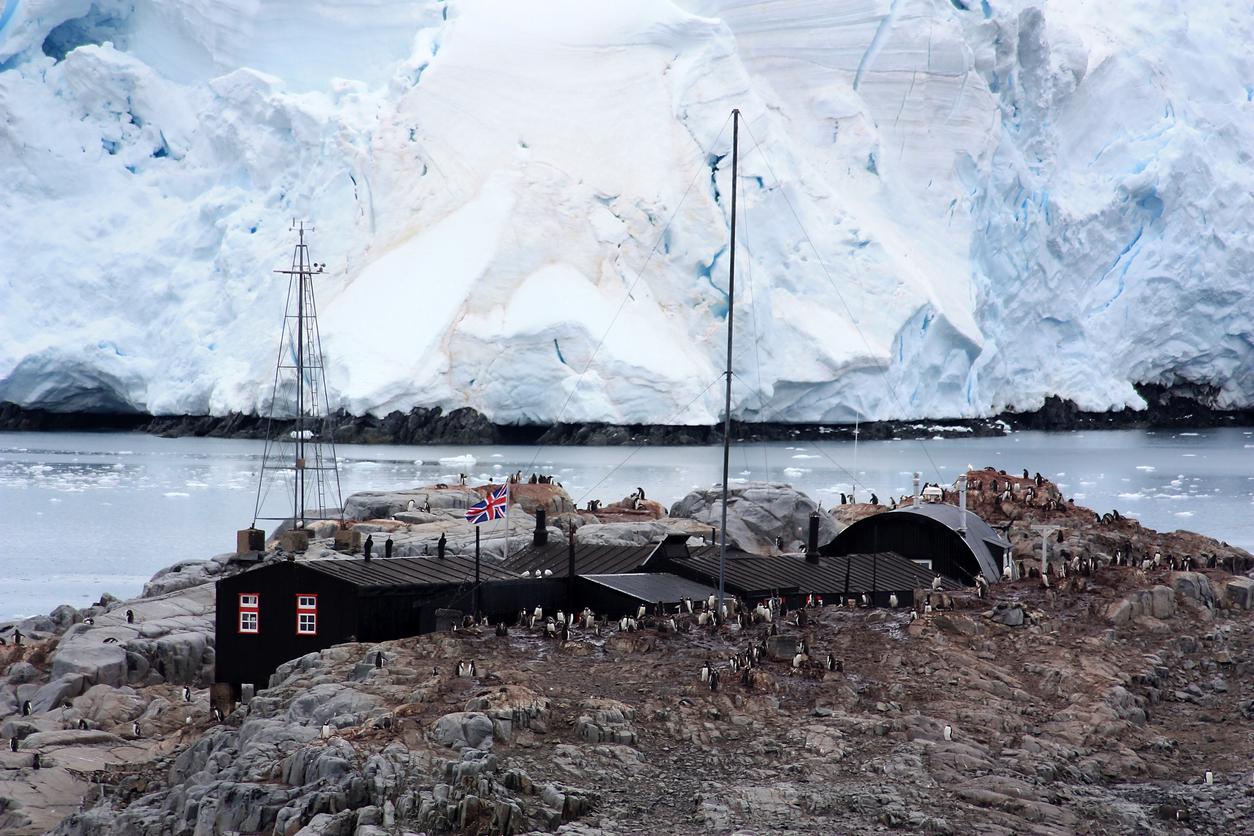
{"x":492,"y":508}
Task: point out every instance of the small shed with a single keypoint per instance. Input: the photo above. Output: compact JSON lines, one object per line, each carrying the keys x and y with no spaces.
{"x":281,"y":611}
{"x":941,"y":537}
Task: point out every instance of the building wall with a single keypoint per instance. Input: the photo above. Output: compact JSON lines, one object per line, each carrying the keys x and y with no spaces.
{"x":252,"y":657}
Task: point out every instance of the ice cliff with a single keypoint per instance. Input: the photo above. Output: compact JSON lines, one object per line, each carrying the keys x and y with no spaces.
{"x":950,"y":207}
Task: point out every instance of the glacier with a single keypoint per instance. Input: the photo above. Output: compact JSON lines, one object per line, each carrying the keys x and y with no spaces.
{"x":949,"y":207}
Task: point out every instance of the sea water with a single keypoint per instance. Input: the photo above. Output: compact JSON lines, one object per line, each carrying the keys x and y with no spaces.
{"x":88,"y":513}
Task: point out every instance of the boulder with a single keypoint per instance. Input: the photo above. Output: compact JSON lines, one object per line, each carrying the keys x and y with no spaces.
{"x":184,"y":574}
{"x":637,"y":533}
{"x":178,"y":658}
{"x":1239,"y":592}
{"x":760,"y":515}
{"x":1194,"y":585}
{"x":65,"y":617}
{"x":57,"y":692}
{"x":380,"y":505}
{"x":1163,"y":602}
{"x":21,"y":672}
{"x":1009,"y":614}
{"x":462,"y":729}
{"x":70,"y":737}
{"x":98,"y":664}
{"x":323,"y":702}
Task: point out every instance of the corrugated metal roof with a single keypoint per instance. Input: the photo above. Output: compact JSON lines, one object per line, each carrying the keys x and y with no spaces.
{"x":408,"y":572}
{"x":651,"y":587}
{"x":977,"y":534}
{"x":747,"y":574}
{"x":589,"y":560}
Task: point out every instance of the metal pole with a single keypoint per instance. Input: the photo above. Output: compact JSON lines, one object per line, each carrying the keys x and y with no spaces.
{"x":299,"y":511}
{"x":478,"y":601}
{"x":731,"y":299}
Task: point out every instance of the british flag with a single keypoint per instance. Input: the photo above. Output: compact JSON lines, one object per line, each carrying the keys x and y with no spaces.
{"x":492,"y":508}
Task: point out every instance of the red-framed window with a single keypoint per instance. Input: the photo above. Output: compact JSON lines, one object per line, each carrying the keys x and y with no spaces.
{"x":306,"y":614}
{"x":249,"y":612}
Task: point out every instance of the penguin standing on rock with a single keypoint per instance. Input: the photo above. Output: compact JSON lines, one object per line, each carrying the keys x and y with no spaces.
{"x":187,"y":694}
{"x":130,"y":616}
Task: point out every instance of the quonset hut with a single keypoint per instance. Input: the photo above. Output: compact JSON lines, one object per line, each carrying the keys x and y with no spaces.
{"x":942,"y":538}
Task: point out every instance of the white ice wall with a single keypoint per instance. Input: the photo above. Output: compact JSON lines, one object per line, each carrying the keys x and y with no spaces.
{"x":946,"y":210}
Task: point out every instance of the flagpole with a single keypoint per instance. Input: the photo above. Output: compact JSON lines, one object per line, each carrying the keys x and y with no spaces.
{"x":478,"y":601}
{"x":507,"y":490}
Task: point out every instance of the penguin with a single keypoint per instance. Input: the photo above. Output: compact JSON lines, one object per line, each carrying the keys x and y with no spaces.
{"x":548,"y":573}
{"x":82,"y":724}
{"x":892,"y":600}
{"x":13,"y":744}
{"x":640,"y":494}
{"x":217,"y":715}
{"x":368,"y":547}
{"x":89,"y":621}
{"x":130,"y":616}
{"x":875,"y":500}
{"x":1210,"y":778}
{"x":949,"y":732}
{"x":526,"y":574}
{"x":705,"y":671}
{"x":714,"y":680}
{"x":937,"y":584}
{"x":502,"y":629}
{"x":111,"y":640}
{"x":35,"y":764}
{"x":412,"y":506}
{"x":798,"y":660}
{"x":187,"y":694}
{"x":866,"y":600}
{"x":135,"y":729}
{"x":327,"y":731}
{"x":25,"y":708}
{"x":378,"y":660}
{"x":387,"y":547}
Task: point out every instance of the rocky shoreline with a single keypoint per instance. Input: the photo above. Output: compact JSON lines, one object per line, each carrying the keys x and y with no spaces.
{"x":1114,"y":701}
{"x":1167,"y":408}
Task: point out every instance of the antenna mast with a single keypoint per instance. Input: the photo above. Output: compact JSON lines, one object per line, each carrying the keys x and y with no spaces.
{"x":731,"y":299}
{"x":298,"y":428}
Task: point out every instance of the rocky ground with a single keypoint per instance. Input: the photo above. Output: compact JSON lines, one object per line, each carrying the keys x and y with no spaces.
{"x":1096,"y":705}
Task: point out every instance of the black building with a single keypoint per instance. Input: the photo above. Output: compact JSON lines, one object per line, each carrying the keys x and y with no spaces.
{"x":940,"y":537}
{"x":281,"y":611}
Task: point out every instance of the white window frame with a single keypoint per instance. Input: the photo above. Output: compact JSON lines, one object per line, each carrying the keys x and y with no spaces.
{"x":306,"y":614}
{"x":249,"y":612}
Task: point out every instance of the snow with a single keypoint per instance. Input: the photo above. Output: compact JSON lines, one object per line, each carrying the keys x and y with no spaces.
{"x":949,"y":208}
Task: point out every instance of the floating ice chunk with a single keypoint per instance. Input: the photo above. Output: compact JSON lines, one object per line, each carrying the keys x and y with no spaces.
{"x":467,"y":460}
